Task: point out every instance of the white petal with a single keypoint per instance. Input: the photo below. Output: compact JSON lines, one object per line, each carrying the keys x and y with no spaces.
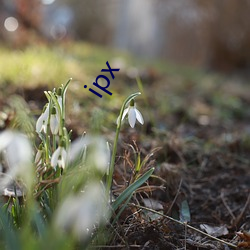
{"x":139,"y":116}
{"x":39,"y":123}
{"x":19,"y":158}
{"x":54,"y":124}
{"x":117,"y":120}
{"x":125,"y":112}
{"x":63,"y":158}
{"x":61,"y":163}
{"x":5,"y":139}
{"x":55,"y":156}
{"x":19,"y":151}
{"x":67,"y":213}
{"x":38,"y":156}
{"x":77,"y":148}
{"x":132,"y":117}
{"x":101,"y":155}
{"x":44,"y":127}
{"x":78,"y":214}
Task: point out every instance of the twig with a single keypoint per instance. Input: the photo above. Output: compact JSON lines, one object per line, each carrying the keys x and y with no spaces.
{"x":115,"y":247}
{"x":184,"y":224}
{"x":239,"y":217}
{"x":227,"y":207}
{"x":175,"y":198}
{"x":185,"y":242}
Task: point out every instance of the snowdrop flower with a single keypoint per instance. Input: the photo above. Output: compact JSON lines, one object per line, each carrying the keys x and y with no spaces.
{"x":42,"y":122}
{"x":98,"y":152}
{"x":99,"y":155}
{"x":54,"y":121}
{"x":17,"y":152}
{"x":59,"y":157}
{"x":79,"y":214}
{"x":133,"y":114}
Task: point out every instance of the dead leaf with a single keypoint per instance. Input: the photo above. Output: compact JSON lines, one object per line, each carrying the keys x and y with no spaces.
{"x":245,"y":236}
{"x":152,"y":204}
{"x":155,"y":205}
{"x":215,"y":231}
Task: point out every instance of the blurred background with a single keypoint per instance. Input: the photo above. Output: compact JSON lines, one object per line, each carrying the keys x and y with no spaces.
{"x":212,"y":34}
{"x":193,"y":60}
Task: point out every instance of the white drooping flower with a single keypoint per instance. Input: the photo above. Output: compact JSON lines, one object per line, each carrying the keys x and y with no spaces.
{"x":17,"y":151}
{"x":59,"y":157}
{"x":80,"y":214}
{"x":42,"y":122}
{"x":99,"y":155}
{"x":133,"y":114}
{"x":98,"y":152}
{"x":54,"y":121}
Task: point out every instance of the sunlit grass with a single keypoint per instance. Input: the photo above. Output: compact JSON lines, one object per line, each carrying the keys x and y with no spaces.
{"x":34,"y":65}
{"x":42,"y":64}
{"x":178,"y":84}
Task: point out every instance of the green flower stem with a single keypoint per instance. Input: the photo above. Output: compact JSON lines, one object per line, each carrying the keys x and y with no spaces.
{"x":65,"y":87}
{"x":47,"y":137}
{"x":112,"y":163}
{"x":54,"y":142}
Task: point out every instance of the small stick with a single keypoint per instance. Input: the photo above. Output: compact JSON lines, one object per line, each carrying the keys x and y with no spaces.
{"x":175,"y":198}
{"x":239,"y":217}
{"x":227,"y":207}
{"x":184,"y":224}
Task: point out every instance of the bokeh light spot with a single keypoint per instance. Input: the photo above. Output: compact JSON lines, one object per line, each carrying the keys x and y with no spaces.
{"x":11,"y":24}
{"x":47,"y":2}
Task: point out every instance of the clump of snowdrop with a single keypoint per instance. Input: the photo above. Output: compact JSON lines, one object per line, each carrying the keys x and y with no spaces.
{"x":51,"y":156}
{"x":73,"y":182}
{"x":56,"y":153}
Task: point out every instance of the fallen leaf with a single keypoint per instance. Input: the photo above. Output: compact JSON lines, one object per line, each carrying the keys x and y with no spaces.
{"x":245,"y":236}
{"x":215,"y":231}
{"x":153,"y":204}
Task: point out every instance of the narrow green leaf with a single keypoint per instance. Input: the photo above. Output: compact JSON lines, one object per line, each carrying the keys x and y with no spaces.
{"x":65,"y":87}
{"x":10,"y":236}
{"x":122,"y":209}
{"x":129,"y":190}
{"x":138,"y":163}
{"x":39,"y":222}
{"x":185,"y":212}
